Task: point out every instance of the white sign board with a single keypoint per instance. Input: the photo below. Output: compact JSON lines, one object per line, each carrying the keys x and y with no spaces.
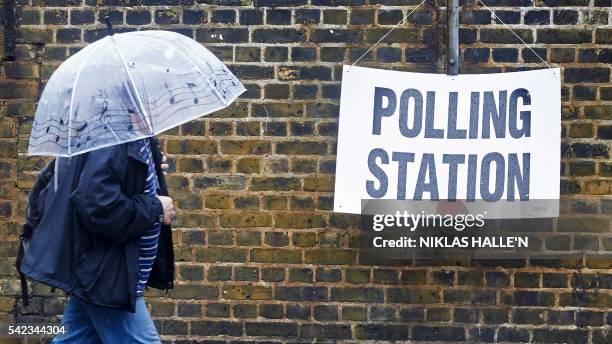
{"x":414,"y":136}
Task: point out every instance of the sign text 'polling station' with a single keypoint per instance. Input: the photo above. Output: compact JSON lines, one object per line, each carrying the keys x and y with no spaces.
{"x":414,"y":136}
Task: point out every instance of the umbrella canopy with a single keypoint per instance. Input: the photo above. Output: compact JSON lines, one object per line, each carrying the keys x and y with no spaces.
{"x":128,"y":86}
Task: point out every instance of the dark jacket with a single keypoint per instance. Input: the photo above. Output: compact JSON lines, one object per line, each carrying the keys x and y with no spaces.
{"x":87,"y":240}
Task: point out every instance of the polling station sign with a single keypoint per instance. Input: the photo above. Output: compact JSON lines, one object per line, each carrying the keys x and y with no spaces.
{"x":474,"y":137}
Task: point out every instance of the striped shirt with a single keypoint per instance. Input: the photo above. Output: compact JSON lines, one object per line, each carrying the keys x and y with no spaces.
{"x":149,"y":240}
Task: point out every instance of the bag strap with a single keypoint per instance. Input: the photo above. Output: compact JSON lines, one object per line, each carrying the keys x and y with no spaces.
{"x":24,"y":282}
{"x":25,"y":297}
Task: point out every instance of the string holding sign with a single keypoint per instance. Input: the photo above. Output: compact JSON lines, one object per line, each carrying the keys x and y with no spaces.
{"x":388,"y":32}
{"x":494,"y":16}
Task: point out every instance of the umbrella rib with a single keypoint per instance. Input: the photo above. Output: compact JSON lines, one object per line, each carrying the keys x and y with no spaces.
{"x":76,"y":79}
{"x":127,"y":70}
{"x":199,"y":70}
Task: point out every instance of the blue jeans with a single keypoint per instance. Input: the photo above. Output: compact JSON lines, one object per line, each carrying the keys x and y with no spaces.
{"x":87,"y":323}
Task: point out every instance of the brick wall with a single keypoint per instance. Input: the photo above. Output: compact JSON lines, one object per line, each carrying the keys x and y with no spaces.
{"x":260,"y":255}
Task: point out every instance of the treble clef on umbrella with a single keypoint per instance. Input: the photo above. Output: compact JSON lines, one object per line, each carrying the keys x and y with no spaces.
{"x":105,"y":118}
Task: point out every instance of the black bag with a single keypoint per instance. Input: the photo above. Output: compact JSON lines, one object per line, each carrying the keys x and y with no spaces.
{"x":34,"y":212}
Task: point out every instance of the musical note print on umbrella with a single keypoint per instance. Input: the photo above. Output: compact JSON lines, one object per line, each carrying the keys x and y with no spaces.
{"x":128,"y":86}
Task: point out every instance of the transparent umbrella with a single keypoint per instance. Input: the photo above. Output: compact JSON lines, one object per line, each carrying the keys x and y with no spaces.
{"x":125,"y":87}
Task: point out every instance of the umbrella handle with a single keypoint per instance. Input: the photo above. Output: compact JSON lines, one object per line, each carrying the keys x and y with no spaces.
{"x":55,"y":174}
{"x":109,"y":25}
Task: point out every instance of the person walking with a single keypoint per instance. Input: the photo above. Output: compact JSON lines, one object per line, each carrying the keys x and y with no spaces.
{"x":98,"y":223}
{"x":119,"y":242}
